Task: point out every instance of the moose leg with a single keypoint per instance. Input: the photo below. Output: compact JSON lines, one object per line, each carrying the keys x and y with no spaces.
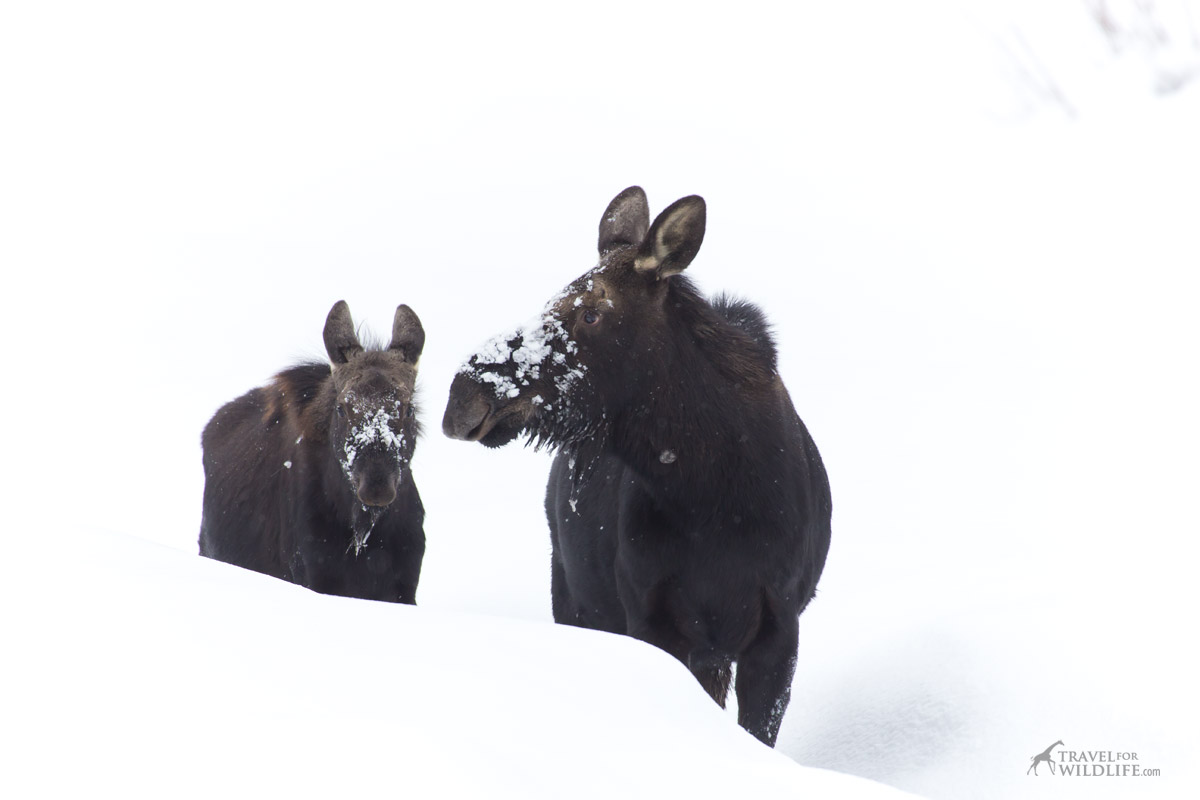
{"x":651,"y":621}
{"x":764,"y":677}
{"x":324,"y":581}
{"x":714,"y":674}
{"x":560,"y":594}
{"x":712,"y":670}
{"x":405,"y":592}
{"x":407,"y":571}
{"x":589,"y":603}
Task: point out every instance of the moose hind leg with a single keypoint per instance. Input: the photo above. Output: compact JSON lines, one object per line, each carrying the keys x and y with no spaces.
{"x":764,"y":678}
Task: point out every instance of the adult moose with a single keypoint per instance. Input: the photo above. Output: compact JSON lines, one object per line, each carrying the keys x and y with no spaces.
{"x":687,"y":504}
{"x":308,"y":479}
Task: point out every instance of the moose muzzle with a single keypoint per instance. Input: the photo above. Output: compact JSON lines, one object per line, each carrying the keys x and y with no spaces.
{"x":467,"y":411}
{"x":377,"y":487}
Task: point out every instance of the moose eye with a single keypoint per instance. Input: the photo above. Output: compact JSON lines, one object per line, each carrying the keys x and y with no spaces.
{"x":341,"y":411}
{"x":409,"y":411}
{"x":590,"y":317}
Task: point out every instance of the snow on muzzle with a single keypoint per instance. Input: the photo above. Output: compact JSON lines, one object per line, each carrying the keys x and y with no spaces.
{"x":475,"y":414}
{"x":373,"y":460}
{"x":504,"y":386}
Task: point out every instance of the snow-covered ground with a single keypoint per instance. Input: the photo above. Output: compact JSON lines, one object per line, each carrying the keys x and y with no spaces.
{"x":985,"y":303}
{"x":159,"y":674}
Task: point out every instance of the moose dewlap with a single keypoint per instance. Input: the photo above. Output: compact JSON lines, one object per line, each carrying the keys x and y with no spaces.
{"x":688,"y":505}
{"x":308,"y":479}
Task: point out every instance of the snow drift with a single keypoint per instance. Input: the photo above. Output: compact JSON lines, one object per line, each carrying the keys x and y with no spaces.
{"x":141,"y":671}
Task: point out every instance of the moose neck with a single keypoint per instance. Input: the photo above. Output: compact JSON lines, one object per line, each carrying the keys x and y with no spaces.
{"x":707,"y":424}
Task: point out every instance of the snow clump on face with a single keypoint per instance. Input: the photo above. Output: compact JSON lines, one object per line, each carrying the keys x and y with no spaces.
{"x":524,"y":352}
{"x":375,"y":427}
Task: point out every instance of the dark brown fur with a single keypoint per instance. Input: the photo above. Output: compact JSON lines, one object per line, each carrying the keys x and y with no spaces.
{"x":300,"y":490}
{"x":688,"y":505}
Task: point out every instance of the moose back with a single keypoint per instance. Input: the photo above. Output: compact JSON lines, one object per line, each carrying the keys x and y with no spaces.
{"x":688,"y":505}
{"x":308,"y":479}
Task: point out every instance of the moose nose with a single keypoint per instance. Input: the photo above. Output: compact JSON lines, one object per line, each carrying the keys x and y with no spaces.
{"x":465,"y":411}
{"x":376,"y":492}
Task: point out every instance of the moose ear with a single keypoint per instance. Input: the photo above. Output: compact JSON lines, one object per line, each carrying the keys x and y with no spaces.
{"x":341,"y":342}
{"x":625,"y":220}
{"x":673,"y":240}
{"x":408,"y":336}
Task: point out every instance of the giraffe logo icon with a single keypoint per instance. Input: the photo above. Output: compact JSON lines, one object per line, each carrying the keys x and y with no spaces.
{"x":1043,"y":756}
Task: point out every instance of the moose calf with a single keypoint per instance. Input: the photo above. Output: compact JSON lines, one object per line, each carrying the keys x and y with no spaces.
{"x":308,"y":478}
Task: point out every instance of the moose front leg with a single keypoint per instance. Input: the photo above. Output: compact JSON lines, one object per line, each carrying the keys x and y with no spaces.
{"x":764,"y":677}
{"x":647,"y":617}
{"x":406,"y":572}
{"x":650,"y":620}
